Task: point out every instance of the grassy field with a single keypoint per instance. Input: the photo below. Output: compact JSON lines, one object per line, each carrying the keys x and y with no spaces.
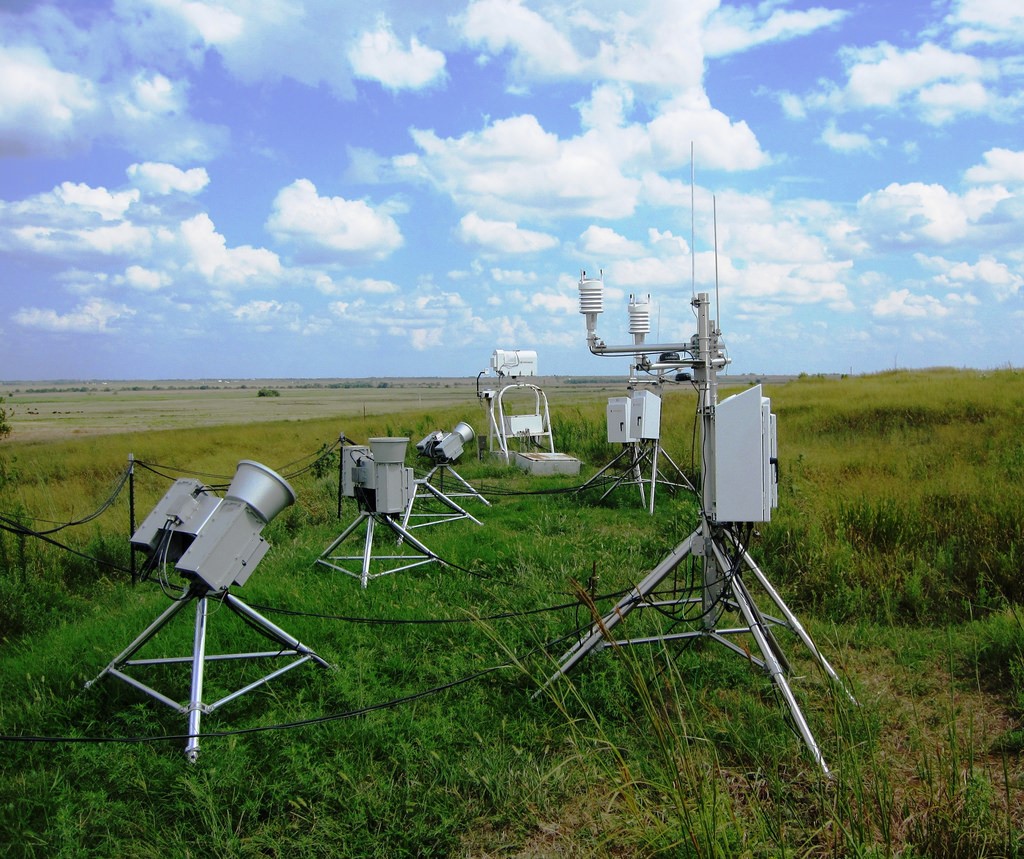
{"x":54,"y":411}
{"x":898,"y":541}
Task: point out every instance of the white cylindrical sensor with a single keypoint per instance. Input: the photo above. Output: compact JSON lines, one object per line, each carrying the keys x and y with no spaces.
{"x":591,"y":295}
{"x":639,"y":318}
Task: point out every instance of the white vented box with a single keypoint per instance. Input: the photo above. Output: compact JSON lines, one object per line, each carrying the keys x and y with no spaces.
{"x":645,"y":415}
{"x":617,"y":414}
{"x":746,"y":458}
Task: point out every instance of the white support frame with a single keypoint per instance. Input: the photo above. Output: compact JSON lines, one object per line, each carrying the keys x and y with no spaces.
{"x":500,"y":423}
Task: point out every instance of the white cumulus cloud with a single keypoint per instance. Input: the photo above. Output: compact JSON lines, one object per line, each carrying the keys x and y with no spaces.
{"x":845,"y":141}
{"x":94,"y":316}
{"x":736,"y":28}
{"x":208,"y":253}
{"x":327,"y":227}
{"x":265,"y":314}
{"x":718,"y":142}
{"x":1001,"y":165}
{"x":161,"y":178}
{"x":507,"y":24}
{"x":41,"y":107}
{"x":379,"y":56}
{"x":604,"y":243}
{"x":906,"y":213}
{"x":515,"y":169}
{"x":214,"y":22}
{"x":503,"y":236}
{"x":144,"y":279}
{"x":999,"y":277}
{"x":937,"y":84}
{"x":987,"y":22}
{"x":902,"y":304}
{"x":110,"y":206}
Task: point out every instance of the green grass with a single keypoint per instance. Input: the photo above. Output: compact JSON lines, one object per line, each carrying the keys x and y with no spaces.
{"x":897,"y":541}
{"x":904,"y":493}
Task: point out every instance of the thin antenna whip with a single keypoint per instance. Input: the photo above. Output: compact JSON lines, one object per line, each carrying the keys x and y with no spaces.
{"x":718,"y":304}
{"x":693,"y":253}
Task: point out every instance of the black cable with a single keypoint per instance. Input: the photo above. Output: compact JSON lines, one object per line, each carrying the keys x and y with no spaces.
{"x":153,"y":467}
{"x":316,"y":457}
{"x":82,"y":521}
{"x":370,"y":621}
{"x":322,"y":453}
{"x":26,"y":532}
{"x":158,"y":559}
{"x":316,"y":720}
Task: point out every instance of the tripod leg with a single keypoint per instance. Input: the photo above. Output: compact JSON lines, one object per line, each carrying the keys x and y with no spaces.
{"x":656,"y":448}
{"x":272,"y":630}
{"x":472,"y":490}
{"x":407,"y":513}
{"x":444,"y":499}
{"x":195,"y":703}
{"x":765,"y":627}
{"x":638,"y":477}
{"x":143,"y":637}
{"x":405,"y":535}
{"x":367,"y":552}
{"x":679,"y":472}
{"x":757,"y":630}
{"x":341,"y":539}
{"x":615,"y":459}
{"x":599,"y":631}
{"x":795,"y":625}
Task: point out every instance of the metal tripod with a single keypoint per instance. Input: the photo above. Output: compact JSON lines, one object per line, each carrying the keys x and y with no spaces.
{"x":393,"y":562}
{"x":638,"y":455}
{"x":200,"y":595}
{"x":454,"y":511}
{"x":723,"y":587}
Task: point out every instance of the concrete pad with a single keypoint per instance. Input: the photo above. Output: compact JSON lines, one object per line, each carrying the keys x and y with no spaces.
{"x":548,"y":463}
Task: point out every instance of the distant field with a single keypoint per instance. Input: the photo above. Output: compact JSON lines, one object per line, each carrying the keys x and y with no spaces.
{"x":50,"y":411}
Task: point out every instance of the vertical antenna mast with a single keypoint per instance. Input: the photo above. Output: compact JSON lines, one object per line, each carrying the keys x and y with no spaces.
{"x":718,"y":304}
{"x":693,"y":257}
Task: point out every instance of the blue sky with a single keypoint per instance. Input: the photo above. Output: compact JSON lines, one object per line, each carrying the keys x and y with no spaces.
{"x":323,"y":188}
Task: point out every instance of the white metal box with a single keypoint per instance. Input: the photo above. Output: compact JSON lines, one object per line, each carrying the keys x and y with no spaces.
{"x":645,"y":415}
{"x":520,"y":425}
{"x":514,"y":362}
{"x":227,"y":549}
{"x":746,"y":458}
{"x":354,"y":472}
{"x":393,"y":484}
{"x":618,"y":420}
